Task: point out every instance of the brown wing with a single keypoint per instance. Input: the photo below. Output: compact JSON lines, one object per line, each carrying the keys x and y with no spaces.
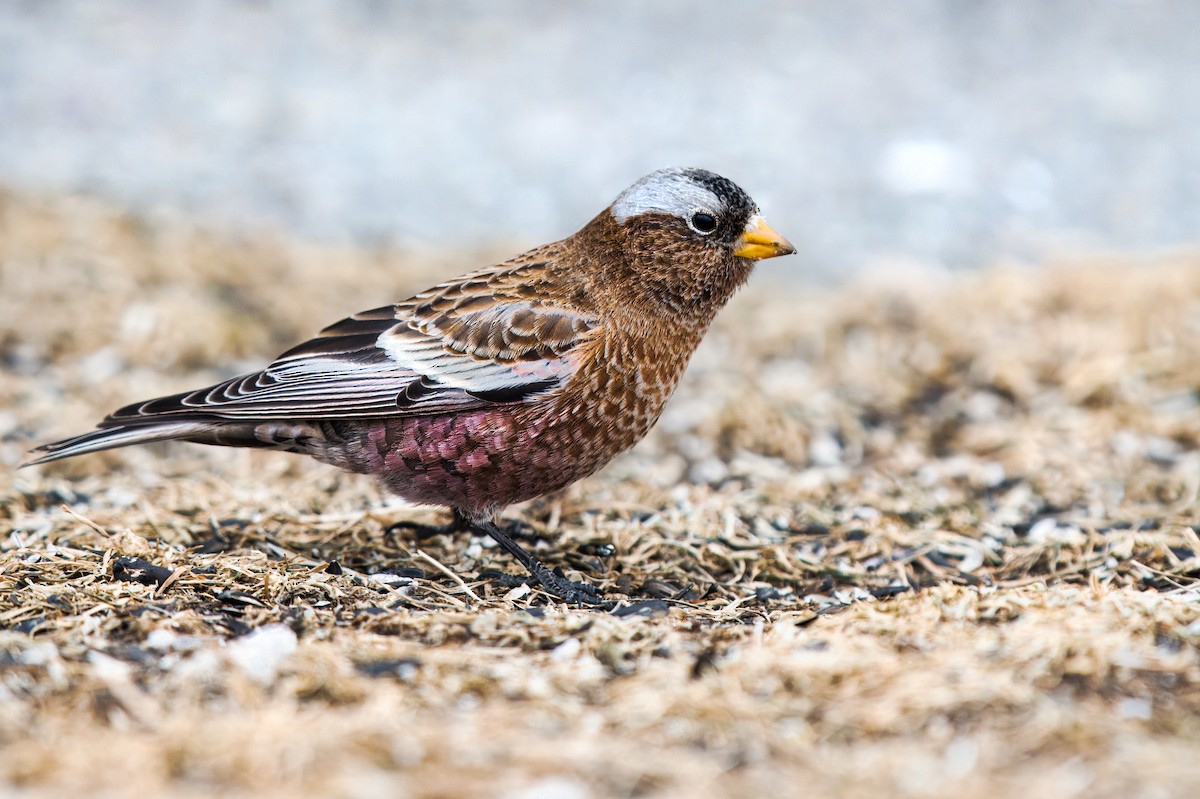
{"x":483,"y":339}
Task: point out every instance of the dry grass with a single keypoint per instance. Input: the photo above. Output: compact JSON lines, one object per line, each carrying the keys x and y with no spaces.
{"x":916,"y":536}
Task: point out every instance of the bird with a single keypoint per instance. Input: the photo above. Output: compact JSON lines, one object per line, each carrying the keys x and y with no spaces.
{"x":502,"y":385}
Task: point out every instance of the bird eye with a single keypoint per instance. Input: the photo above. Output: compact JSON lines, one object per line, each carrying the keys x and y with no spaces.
{"x":703,"y":223}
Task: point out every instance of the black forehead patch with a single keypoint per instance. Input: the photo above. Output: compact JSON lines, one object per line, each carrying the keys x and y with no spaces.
{"x":729,"y":192}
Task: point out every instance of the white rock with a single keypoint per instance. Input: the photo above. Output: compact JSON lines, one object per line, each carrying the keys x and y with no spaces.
{"x":260,"y":654}
{"x":567,"y":650}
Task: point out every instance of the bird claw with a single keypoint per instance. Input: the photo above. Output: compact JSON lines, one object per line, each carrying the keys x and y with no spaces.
{"x":553,"y":584}
{"x":581,"y":594}
{"x":422,"y":532}
{"x":425,"y":531}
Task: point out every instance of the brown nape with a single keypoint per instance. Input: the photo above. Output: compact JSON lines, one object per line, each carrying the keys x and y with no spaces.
{"x":654,"y":272}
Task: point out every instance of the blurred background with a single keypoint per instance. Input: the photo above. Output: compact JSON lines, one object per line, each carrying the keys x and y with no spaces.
{"x":947,"y":133}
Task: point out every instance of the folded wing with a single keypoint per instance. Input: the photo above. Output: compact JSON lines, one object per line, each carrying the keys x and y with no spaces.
{"x":418,"y":358}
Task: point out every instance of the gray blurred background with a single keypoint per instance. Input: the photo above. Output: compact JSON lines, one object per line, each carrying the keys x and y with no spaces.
{"x":946,"y":132}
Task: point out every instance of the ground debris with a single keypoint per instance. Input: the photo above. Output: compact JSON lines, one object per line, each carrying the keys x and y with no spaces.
{"x":906,"y":538}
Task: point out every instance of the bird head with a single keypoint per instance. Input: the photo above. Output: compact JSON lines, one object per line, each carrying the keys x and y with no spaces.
{"x":680,"y":242}
{"x":697,"y":209}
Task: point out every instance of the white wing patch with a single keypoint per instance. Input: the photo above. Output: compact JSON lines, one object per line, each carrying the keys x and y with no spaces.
{"x":426,"y":355}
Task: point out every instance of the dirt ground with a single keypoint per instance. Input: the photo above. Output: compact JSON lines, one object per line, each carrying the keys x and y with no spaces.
{"x":920,"y":535}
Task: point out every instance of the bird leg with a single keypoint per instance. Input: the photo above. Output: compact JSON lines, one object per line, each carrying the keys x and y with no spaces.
{"x":553,"y":582}
{"x":515,"y":529}
{"x":520,"y":530}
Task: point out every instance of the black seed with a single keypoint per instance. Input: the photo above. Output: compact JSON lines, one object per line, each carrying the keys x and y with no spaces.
{"x":136,"y":570}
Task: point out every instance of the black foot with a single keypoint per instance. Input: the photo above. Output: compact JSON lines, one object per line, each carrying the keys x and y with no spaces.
{"x":571,"y":591}
{"x":553,"y":582}
{"x":425,"y":531}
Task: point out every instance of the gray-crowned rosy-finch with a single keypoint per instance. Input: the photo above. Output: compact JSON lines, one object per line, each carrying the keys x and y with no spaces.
{"x":501,"y":385}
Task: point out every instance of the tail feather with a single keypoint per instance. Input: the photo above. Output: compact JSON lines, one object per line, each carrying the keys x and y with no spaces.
{"x":113,"y":437}
{"x":286,"y":436}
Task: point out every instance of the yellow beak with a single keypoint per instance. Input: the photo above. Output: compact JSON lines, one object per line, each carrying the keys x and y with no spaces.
{"x":759,"y":240}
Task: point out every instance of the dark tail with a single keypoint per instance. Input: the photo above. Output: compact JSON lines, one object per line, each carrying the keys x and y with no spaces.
{"x":271,"y":435}
{"x":112,"y":437}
